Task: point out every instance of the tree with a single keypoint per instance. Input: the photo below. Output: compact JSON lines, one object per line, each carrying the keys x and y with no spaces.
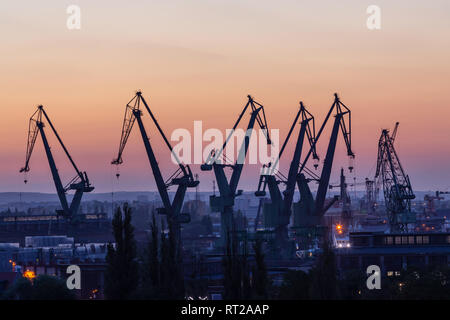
{"x":154,"y":265}
{"x":260,"y":280}
{"x":236,"y":280}
{"x":352,"y":285}
{"x":162,"y":268}
{"x":151,"y":278}
{"x":121,"y":278}
{"x":295,"y":286}
{"x":324,"y":284}
{"x":427,"y":283}
{"x":20,"y":290}
{"x":171,"y":271}
{"x":43,"y":287}
{"x":51,"y":288}
{"x":196,"y":286}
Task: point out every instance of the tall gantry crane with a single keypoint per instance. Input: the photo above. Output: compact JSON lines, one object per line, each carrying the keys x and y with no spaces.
{"x":281,"y":202}
{"x":396,"y":185}
{"x":80,"y":183}
{"x":228,"y":189}
{"x":309,"y":212}
{"x":182,"y":177}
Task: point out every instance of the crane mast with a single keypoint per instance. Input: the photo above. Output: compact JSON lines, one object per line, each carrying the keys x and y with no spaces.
{"x":396,"y":185}
{"x":80,"y":183}
{"x":281,"y":202}
{"x":182,"y":177}
{"x":225,"y":201}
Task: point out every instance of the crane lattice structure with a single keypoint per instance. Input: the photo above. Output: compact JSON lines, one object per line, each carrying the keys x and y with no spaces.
{"x":80,"y":183}
{"x":396,"y":185}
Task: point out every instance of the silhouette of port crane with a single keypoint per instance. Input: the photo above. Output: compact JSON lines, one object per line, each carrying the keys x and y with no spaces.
{"x":228,"y":189}
{"x":308,"y":212}
{"x":279,"y":208}
{"x":182,"y":177}
{"x":397,"y":188}
{"x":80,"y":183}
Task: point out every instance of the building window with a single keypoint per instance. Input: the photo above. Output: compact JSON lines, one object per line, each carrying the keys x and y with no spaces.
{"x":398,"y":240}
{"x":404,"y":240}
{"x":390,"y":273}
{"x":411,"y":239}
{"x":419,"y":239}
{"x":390,"y":241}
{"x":426,"y":239}
{"x":448,"y":239}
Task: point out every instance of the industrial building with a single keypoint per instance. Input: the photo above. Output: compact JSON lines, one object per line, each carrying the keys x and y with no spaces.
{"x":394,"y":252}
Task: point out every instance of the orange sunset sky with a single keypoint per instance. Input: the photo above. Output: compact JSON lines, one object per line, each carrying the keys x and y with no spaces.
{"x":198,"y":59}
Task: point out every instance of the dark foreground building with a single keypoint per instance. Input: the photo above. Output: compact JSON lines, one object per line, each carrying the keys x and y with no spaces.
{"x":394,"y":252}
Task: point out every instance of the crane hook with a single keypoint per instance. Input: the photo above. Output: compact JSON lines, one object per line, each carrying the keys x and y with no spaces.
{"x":117,"y":172}
{"x":350,"y":163}
{"x":316,"y":163}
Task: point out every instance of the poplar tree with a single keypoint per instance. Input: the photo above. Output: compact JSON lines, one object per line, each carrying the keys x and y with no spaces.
{"x":260,"y":280}
{"x":121,"y":277}
{"x":324,"y":282}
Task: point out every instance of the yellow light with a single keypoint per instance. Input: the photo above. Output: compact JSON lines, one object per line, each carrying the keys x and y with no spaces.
{"x":338,"y":227}
{"x":30,"y":275}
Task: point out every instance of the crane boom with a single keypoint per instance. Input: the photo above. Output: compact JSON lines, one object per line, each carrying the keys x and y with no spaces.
{"x":80,"y":183}
{"x":183,"y":177}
